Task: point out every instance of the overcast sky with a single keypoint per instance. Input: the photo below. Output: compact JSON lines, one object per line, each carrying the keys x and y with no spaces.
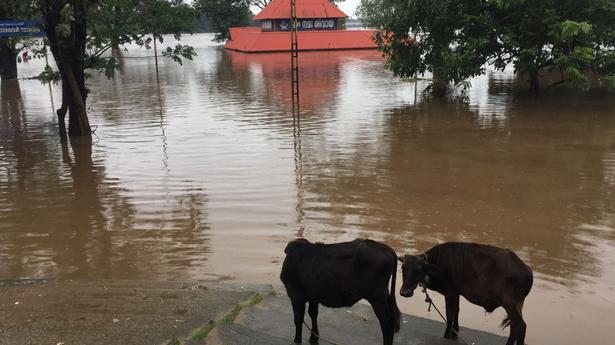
{"x":349,"y":6}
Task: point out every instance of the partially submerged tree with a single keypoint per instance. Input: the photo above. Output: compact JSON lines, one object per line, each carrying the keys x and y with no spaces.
{"x":118,"y":22}
{"x":81,"y":31}
{"x":66,"y":24}
{"x":572,"y":38}
{"x":455,"y":40}
{"x":225,"y":14}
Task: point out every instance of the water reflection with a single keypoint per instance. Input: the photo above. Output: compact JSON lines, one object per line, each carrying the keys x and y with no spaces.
{"x":433,"y":177}
{"x":63,"y":216}
{"x":502,"y":169}
{"x":208,"y":173}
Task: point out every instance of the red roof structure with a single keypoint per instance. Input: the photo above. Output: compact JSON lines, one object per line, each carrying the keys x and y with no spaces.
{"x":255,"y":41}
{"x":280,"y":9}
{"x":319,"y":23}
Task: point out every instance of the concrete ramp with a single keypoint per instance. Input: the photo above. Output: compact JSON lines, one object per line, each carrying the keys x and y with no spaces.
{"x":270,"y":322}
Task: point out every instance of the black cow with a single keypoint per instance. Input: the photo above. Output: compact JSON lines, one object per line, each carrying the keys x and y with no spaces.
{"x":339,"y":275}
{"x":487,"y":276}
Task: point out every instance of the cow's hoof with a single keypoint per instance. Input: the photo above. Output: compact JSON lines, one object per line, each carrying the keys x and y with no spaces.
{"x":313,"y":340}
{"x":450,"y":335}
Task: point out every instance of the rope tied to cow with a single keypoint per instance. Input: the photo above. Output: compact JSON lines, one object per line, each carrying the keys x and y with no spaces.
{"x":317,"y":335}
{"x":430,"y":303}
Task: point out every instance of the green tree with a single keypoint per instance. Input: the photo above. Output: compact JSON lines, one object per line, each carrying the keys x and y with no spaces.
{"x":11,"y":46}
{"x":225,"y":14}
{"x":81,"y":31}
{"x":260,"y":3}
{"x":118,"y":22}
{"x":572,"y":38}
{"x":455,"y":40}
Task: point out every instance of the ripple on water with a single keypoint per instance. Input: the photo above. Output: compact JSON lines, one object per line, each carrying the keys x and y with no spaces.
{"x":208,"y":170}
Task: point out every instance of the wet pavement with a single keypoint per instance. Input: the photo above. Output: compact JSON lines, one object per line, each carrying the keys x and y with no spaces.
{"x":112,"y":312}
{"x":105,"y":312}
{"x":270,"y":322}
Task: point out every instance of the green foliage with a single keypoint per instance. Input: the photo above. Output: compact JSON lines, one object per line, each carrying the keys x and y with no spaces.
{"x":224,"y":14}
{"x":450,"y":38}
{"x":20,"y":10}
{"x":187,"y":52}
{"x":48,"y":75}
{"x":67,"y":17}
{"x":114,"y":23}
{"x":106,"y":65}
{"x":456,"y":39}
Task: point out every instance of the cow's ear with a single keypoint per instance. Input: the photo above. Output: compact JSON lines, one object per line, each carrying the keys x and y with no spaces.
{"x":400,"y":258}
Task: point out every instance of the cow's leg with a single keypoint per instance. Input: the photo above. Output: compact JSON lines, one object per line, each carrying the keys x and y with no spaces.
{"x":384,"y":317}
{"x":520,"y":330}
{"x":313,"y":311}
{"x":452,"y":316}
{"x":299,"y":313}
{"x":522,"y":325}
{"x":517,"y":325}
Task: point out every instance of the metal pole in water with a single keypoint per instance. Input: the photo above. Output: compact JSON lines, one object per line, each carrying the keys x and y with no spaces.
{"x":294,"y":56}
{"x":156,"y":59}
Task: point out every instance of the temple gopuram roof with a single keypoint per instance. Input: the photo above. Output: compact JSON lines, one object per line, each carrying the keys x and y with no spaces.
{"x":280,"y":9}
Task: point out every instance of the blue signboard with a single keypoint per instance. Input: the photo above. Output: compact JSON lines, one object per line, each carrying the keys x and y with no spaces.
{"x":21,"y":28}
{"x":307,"y":24}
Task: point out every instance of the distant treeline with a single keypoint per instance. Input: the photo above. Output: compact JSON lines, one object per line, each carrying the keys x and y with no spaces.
{"x":204,"y":25}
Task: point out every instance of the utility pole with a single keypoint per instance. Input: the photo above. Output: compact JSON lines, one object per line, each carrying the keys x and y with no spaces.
{"x":156,"y":59}
{"x":294,"y":55}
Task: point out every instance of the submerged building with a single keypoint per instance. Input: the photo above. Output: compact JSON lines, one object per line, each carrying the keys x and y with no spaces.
{"x":320,"y":26}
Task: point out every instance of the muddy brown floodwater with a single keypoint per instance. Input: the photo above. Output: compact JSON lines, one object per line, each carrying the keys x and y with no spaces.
{"x":207,"y":174}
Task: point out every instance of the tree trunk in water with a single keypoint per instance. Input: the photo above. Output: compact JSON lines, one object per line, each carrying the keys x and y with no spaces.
{"x":439,"y":86}
{"x":115,"y":48}
{"x":8,"y":60}
{"x":69,"y":54}
{"x":78,"y":123}
{"x":534,"y":81}
{"x":62,"y":112}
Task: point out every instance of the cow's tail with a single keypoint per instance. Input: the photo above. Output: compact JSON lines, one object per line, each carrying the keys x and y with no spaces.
{"x":522,"y":293}
{"x":506,"y":322}
{"x":396,"y":317}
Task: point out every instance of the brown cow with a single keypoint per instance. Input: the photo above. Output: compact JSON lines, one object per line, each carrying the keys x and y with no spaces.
{"x":485,"y":275}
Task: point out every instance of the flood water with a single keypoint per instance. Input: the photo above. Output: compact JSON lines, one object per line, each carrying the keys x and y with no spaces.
{"x":207,"y":174}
